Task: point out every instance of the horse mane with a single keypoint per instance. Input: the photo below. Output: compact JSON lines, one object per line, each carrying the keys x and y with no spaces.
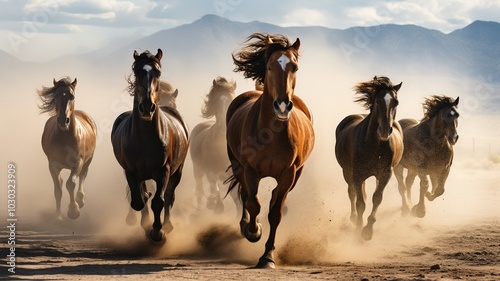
{"x":434,"y":104}
{"x":220,"y":86}
{"x":48,"y":95}
{"x":252,"y":58}
{"x":145,"y":57}
{"x":369,"y":89}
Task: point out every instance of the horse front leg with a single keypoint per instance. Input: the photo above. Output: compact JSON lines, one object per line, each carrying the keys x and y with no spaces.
{"x":351,"y":191}
{"x":55,"y":172}
{"x":80,"y":195}
{"x":419,"y":209}
{"x":382,"y":180}
{"x":73,"y":209}
{"x":438,"y":182}
{"x":157,"y":235}
{"x":170,"y":198}
{"x":249,"y":224}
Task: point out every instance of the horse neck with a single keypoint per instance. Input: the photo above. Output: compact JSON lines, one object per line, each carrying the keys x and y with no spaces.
{"x":139,"y":125}
{"x":435,"y":130}
{"x":220,"y":121}
{"x":370,"y":124}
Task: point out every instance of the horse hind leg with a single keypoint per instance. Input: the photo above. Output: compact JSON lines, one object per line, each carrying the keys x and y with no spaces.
{"x":169,"y":196}
{"x":56,"y":178}
{"x":249,"y":225}
{"x":398,"y":172}
{"x":198,"y":177}
{"x":419,"y":209}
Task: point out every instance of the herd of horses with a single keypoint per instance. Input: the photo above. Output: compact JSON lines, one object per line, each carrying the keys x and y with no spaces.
{"x":266,"y":132}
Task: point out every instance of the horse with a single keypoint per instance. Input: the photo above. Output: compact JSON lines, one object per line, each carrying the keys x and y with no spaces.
{"x":428,"y":151}
{"x":208,"y":144}
{"x":369,"y":145}
{"x":68,"y":141}
{"x":150,"y":142}
{"x":167,"y":97}
{"x":269,"y":133}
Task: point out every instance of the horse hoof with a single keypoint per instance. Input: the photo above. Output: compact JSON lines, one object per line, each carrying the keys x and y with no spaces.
{"x":265,"y":263}
{"x":131,"y":219}
{"x":80,"y":200}
{"x":157,"y":238}
{"x":211,"y":202}
{"x":73,"y":214}
{"x":253,"y":236}
{"x":418,"y":211}
{"x":219,"y":208}
{"x":367,"y":233}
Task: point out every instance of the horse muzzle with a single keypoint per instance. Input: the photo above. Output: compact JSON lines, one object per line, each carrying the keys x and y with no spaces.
{"x":282,"y":109}
{"x":384,"y":134}
{"x":453,"y":139}
{"x":147,"y":110}
{"x":64,"y":124}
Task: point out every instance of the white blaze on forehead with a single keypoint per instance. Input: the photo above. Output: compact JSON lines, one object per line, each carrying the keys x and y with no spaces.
{"x":282,"y":106}
{"x":283,"y":61}
{"x":387,"y":99}
{"x":147,"y":67}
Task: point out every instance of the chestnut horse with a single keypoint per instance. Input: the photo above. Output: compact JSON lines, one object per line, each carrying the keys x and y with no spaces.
{"x":369,"y":145}
{"x":269,"y":133}
{"x":428,"y":151}
{"x":150,"y":142}
{"x":208,"y":148}
{"x":68,"y":140}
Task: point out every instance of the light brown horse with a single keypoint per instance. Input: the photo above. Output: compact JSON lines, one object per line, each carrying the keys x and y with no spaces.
{"x":68,"y":140}
{"x":269,"y":132}
{"x":369,"y":145}
{"x":428,"y":151}
{"x":150,"y":142}
{"x":208,"y":148}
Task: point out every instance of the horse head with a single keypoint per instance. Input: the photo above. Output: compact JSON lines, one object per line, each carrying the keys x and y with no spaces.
{"x":279,"y":80}
{"x":147,"y":71}
{"x":448,"y":117}
{"x":64,"y":97}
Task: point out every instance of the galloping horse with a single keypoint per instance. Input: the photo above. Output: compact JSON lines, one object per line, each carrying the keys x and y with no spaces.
{"x":68,"y":140}
{"x":208,"y":146}
{"x":150,"y":142}
{"x":428,"y":151}
{"x":269,"y":132}
{"x":369,"y":145}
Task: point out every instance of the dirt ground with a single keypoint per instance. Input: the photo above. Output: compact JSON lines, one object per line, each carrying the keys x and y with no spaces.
{"x":459,"y":239}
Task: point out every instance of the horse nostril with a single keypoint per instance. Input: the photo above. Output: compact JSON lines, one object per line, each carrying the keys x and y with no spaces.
{"x":390,"y":131}
{"x":153,"y":107}
{"x":276,"y":105}
{"x":67,"y":120}
{"x":289,"y":107}
{"x":141,"y":108}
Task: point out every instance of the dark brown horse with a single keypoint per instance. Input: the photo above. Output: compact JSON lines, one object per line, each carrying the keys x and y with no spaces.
{"x":369,"y":145}
{"x":150,"y":142}
{"x":68,"y":140}
{"x":269,"y":132}
{"x":428,"y":151}
{"x":208,"y":146}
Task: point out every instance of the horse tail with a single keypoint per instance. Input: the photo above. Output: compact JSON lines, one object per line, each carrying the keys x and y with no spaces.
{"x":233,"y":182}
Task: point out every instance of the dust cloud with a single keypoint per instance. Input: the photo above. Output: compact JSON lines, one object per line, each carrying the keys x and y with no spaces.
{"x":316,"y":228}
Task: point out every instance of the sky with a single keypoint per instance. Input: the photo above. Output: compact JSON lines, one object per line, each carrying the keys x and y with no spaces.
{"x":40,"y":30}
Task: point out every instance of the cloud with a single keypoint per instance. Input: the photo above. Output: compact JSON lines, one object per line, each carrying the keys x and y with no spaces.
{"x":305,"y":17}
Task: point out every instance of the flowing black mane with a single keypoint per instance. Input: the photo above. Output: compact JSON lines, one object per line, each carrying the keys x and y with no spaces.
{"x":221,"y":86}
{"x":48,"y":95}
{"x":369,"y":89}
{"x":252,"y":58}
{"x":436,"y":103}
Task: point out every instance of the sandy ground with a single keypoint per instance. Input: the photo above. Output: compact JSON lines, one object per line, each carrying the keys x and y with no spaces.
{"x":458,"y":240}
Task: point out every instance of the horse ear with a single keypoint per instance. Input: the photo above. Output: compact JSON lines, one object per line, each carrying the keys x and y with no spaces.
{"x":74,"y":83}
{"x":296,"y":45}
{"x":54,"y":81}
{"x":397,"y":87}
{"x":176,"y":93}
{"x":269,"y":40}
{"x":136,"y":54}
{"x":455,"y":103}
{"x":214,"y":83}
{"x":159,"y":54}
